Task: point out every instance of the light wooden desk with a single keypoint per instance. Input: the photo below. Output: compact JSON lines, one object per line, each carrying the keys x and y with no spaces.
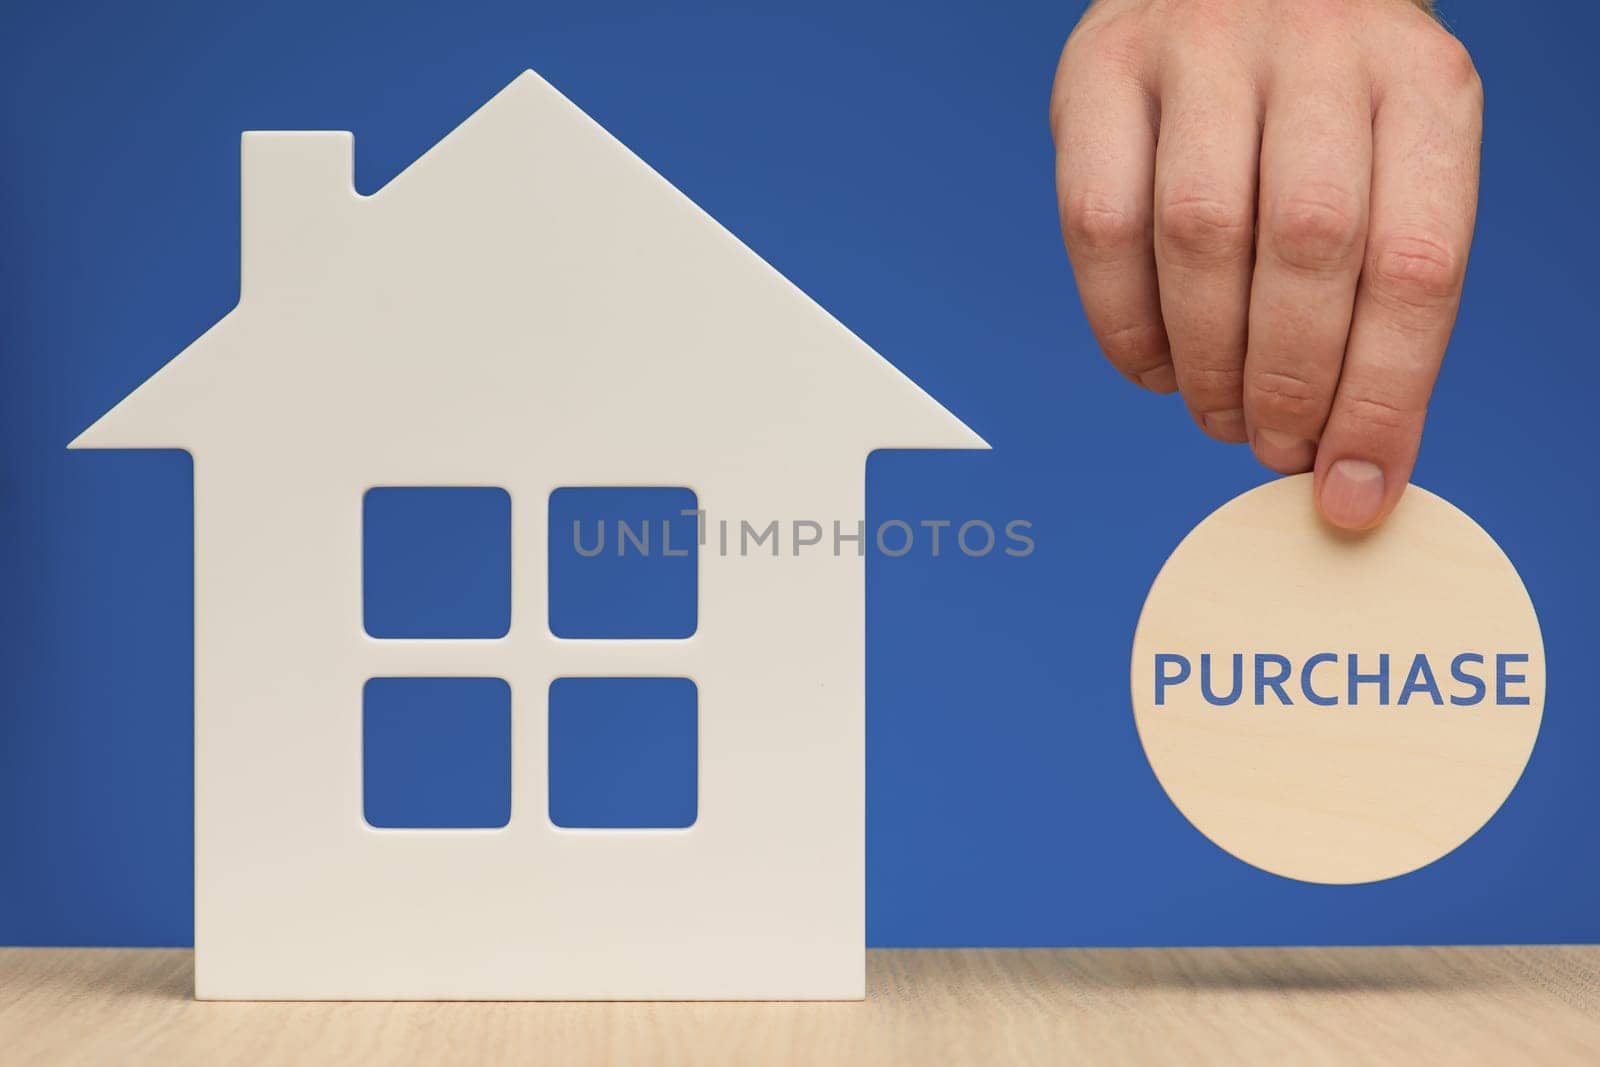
{"x":927,"y":1008}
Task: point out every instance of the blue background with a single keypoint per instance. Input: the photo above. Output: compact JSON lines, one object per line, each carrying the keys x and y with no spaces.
{"x":436,"y":562}
{"x":619,"y":591}
{"x":624,"y":752}
{"x":893,"y":160}
{"x":436,"y":752}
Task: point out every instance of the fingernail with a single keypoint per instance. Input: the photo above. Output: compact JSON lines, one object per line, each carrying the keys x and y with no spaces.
{"x":1161,"y":380}
{"x":1228,"y":425}
{"x":1352,"y":493}
{"x":1285,"y":453}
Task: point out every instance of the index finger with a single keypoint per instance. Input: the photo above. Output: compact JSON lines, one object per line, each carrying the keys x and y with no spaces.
{"x":1427,"y":132}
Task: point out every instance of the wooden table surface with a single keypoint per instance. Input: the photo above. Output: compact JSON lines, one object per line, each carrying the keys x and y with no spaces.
{"x":925,"y":1007}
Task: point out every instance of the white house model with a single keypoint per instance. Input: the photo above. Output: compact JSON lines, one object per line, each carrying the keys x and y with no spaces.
{"x":527,"y":306}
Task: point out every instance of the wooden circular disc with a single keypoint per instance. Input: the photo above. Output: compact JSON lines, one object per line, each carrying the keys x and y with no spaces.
{"x":1324,"y":788}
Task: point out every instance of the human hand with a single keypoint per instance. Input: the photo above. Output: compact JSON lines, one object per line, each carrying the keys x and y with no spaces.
{"x":1268,"y":208}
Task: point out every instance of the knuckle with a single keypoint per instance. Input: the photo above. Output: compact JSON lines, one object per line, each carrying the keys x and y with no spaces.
{"x":1135,"y":347}
{"x":1373,"y":414}
{"x":1214,"y":17}
{"x":1440,"y":66}
{"x":1098,"y":47}
{"x":1212,"y":386}
{"x":1415,"y":272}
{"x":1207,"y":229}
{"x":1317,"y":229}
{"x":1099,"y":226}
{"x":1087,"y":37}
{"x":1286,"y":399}
{"x":1449,"y":59}
{"x":1099,"y":36}
{"x":1079,"y":41}
{"x":1093,"y":62}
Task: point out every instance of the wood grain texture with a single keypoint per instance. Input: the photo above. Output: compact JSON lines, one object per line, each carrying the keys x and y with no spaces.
{"x":976,"y":1006}
{"x":1363,"y":787}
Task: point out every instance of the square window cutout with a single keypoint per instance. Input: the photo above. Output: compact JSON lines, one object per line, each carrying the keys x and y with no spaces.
{"x":436,"y":752}
{"x":624,"y":562}
{"x":436,"y":562}
{"x":624,"y":753}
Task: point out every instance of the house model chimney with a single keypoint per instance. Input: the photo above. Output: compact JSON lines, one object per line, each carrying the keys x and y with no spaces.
{"x":295,"y":187}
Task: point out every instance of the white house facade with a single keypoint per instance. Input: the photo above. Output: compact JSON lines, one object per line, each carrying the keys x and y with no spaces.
{"x":527,"y":306}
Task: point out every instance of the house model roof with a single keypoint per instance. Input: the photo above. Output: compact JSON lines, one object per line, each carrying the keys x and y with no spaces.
{"x":527,"y":274}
